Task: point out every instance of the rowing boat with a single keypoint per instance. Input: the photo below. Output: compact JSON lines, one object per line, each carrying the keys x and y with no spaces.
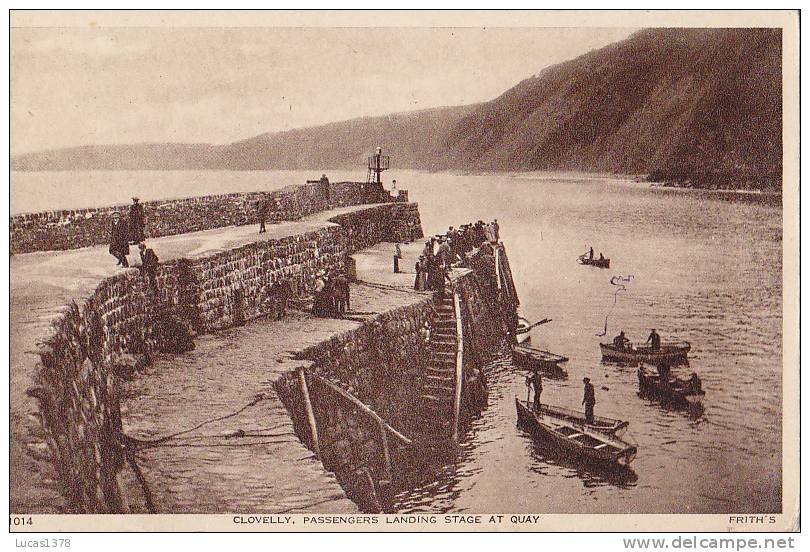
{"x":670,"y":353}
{"x":577,"y":417}
{"x":546,"y":362}
{"x":672,"y":390}
{"x":580,"y":441}
{"x":522,"y":332}
{"x":600,"y":263}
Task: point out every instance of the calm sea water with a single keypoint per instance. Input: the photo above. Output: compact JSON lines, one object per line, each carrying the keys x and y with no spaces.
{"x":705,"y":267}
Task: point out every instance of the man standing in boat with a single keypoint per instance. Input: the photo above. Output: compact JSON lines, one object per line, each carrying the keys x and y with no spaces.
{"x":654,"y":340}
{"x":589,"y":400}
{"x":536,"y":382}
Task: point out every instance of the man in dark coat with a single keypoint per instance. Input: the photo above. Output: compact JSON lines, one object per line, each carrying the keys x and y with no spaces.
{"x":341,"y":294}
{"x":654,"y":340}
{"x":536,"y":381}
{"x":588,"y":399}
{"x":262,"y":207}
{"x":119,"y":240}
{"x":137,"y":222}
{"x":149,"y":265}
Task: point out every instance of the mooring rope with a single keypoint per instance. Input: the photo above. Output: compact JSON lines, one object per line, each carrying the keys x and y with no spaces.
{"x":141,"y":444}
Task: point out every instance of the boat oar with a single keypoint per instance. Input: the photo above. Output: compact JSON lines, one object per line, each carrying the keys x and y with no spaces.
{"x":543,"y":321}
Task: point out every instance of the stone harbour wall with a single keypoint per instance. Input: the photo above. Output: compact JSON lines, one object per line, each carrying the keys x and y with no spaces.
{"x":384,"y":364}
{"x":117,"y":328}
{"x":76,"y":228}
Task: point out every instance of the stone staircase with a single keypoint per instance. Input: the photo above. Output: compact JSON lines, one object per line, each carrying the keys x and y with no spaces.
{"x":438,"y":383}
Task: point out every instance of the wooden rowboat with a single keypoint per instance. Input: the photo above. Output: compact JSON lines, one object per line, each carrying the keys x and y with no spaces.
{"x":522,"y":332}
{"x":546,"y":362}
{"x":599,"y":263}
{"x":674,"y":390}
{"x":577,"y":418}
{"x":670,"y":353}
{"x":578,"y":441}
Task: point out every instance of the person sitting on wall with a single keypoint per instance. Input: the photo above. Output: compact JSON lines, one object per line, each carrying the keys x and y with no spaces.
{"x":119,"y":240}
{"x":137,"y":222}
{"x":149,"y":265}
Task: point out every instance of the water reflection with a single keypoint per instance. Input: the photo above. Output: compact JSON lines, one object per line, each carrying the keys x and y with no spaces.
{"x":546,"y":457}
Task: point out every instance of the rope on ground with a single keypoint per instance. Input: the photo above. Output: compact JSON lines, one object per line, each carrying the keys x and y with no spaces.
{"x":141,"y":444}
{"x":147,"y":493}
{"x":408,"y":289}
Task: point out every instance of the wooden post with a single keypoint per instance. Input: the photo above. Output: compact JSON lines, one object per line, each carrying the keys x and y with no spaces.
{"x":459,"y":364}
{"x":386,"y":454}
{"x":359,"y":404}
{"x":313,"y":424}
{"x":498,"y":267}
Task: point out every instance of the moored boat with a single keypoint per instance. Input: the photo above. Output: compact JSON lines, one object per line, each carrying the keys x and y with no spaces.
{"x":670,"y":353}
{"x":522,"y":332}
{"x":577,"y":440}
{"x":672,"y":389}
{"x":546,"y":362}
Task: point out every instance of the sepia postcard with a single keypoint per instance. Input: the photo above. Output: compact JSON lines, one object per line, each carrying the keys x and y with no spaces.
{"x":375,"y":271}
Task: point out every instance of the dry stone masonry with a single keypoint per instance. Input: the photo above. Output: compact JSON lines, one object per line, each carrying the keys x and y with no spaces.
{"x":76,"y":228}
{"x":122,"y":323}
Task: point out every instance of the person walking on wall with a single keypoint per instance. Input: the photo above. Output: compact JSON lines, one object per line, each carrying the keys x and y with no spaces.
{"x":588,"y":399}
{"x":137,"y":222}
{"x":119,"y":240}
{"x":262,"y":207}
{"x":149,"y":265}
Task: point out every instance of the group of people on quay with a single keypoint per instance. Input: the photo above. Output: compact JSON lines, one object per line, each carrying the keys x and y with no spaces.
{"x":441,"y":252}
{"x":332,"y":294}
{"x":132,"y":231}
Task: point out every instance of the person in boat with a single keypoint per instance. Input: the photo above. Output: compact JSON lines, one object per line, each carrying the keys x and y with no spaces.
{"x":654,"y":340}
{"x":588,"y":399}
{"x":663,"y":372}
{"x":601,"y":257}
{"x":590,"y":253}
{"x":695,"y":385}
{"x":535,"y":381}
{"x":620,"y":341}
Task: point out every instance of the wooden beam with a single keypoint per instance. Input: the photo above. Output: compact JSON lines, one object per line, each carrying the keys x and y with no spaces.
{"x":459,"y":364}
{"x":362,"y":406}
{"x":313,"y":423}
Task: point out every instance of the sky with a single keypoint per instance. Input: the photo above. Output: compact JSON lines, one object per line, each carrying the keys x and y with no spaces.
{"x":79,"y":86}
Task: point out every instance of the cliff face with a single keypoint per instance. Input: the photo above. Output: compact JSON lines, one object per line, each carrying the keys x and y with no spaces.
{"x":676,"y":101}
{"x":696,"y":104}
